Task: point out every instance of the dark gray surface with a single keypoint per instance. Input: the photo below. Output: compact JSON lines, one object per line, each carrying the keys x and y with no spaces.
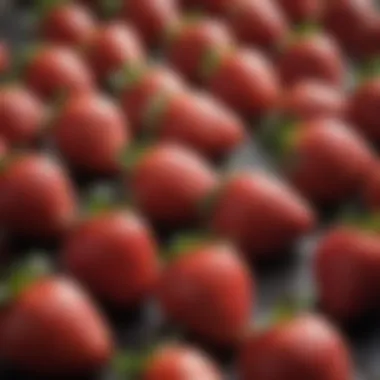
{"x":289,"y":278}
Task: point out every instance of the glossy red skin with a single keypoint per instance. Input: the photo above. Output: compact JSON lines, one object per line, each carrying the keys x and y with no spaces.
{"x":91,"y":132}
{"x":348,"y":21}
{"x":68,"y":24}
{"x":152,"y":18}
{"x":53,"y":329}
{"x":347,"y":268}
{"x":251,"y":208}
{"x":210,"y":292}
{"x":302,"y":10}
{"x":215,"y":7}
{"x":316,"y":57}
{"x":330,"y":161}
{"x":199,"y":122}
{"x":4,"y":58}
{"x":193,"y":41}
{"x":21,"y":116}
{"x":136,"y":99}
{"x":114,"y":47}
{"x":364,"y":109}
{"x":115,"y":256}
{"x":252,"y":88}
{"x":55,"y":70}
{"x":169,"y":182}
{"x":371,"y":190}
{"x":313,"y":99}
{"x":37,"y":197}
{"x":175,"y":362}
{"x":259,"y":23}
{"x":307,"y":347}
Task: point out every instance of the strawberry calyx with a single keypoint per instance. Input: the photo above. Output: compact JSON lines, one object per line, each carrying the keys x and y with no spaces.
{"x":126,"y":79}
{"x":43,"y":7}
{"x":211,"y":62}
{"x":131,"y":156}
{"x":364,"y":222}
{"x":110,"y":8}
{"x":368,"y":71}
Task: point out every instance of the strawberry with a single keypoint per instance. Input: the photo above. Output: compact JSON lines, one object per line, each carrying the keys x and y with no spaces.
{"x":52,"y":328}
{"x":180,"y":362}
{"x":300,"y":11}
{"x":363,"y":108}
{"x":192,"y":41}
{"x":68,"y":24}
{"x":209,"y":291}
{"x":252,"y":88}
{"x":328,"y":161}
{"x":312,"y":56}
{"x":136,"y":97}
{"x":4,"y":58}
{"x":90,"y":132}
{"x":199,"y":122}
{"x":54,"y":70}
{"x":311,"y":99}
{"x":251,"y":208}
{"x":215,"y":7}
{"x":114,"y":254}
{"x":307,"y":347}
{"x":36,"y":197}
{"x":347,"y":268}
{"x":168,"y":182}
{"x":21,"y":115}
{"x":112,"y":48}
{"x":371,"y":190}
{"x":151,"y":18}
{"x":259,"y":23}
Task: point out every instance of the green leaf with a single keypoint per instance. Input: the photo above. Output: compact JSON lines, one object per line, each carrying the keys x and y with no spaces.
{"x":45,"y":6}
{"x":364,"y":222}
{"x":110,"y":8}
{"x":132,"y":155}
{"x":368,"y":70}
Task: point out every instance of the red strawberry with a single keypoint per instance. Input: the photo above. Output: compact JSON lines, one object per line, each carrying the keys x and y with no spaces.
{"x":54,"y":70}
{"x":302,"y":10}
{"x":371,"y":191}
{"x":209,"y":291}
{"x":114,"y":255}
{"x":179,"y":362}
{"x":4,"y":58}
{"x":217,"y":7}
{"x":312,"y":99}
{"x":251,"y":208}
{"x":252,"y":87}
{"x":91,"y":132}
{"x":21,"y":115}
{"x":69,"y":24}
{"x":364,"y":109}
{"x":136,"y":97}
{"x":307,"y":347}
{"x":151,"y":18}
{"x":329,"y":162}
{"x":52,"y":328}
{"x":192,"y":41}
{"x":36,"y":197}
{"x":258,"y":23}
{"x":312,"y":56}
{"x":347,"y":271}
{"x":168,"y":183}
{"x":113,"y":47}
{"x":199,"y":122}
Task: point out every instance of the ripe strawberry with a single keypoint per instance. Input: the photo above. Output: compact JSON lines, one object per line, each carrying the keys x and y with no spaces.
{"x":136,"y":97}
{"x":347,"y":269}
{"x":52,"y":328}
{"x":180,"y":362}
{"x":114,"y":254}
{"x":112,"y":48}
{"x":371,"y":190}
{"x":252,"y":87}
{"x":68,"y":24}
{"x":329,"y":162}
{"x":36,"y":197}
{"x":90,"y":132}
{"x":363,"y":109}
{"x":168,"y":183}
{"x":54,"y":70}
{"x":151,"y":18}
{"x":307,"y":347}
{"x":312,"y":56}
{"x":192,"y":41}
{"x":300,"y":11}
{"x":259,"y":23}
{"x":21,"y":115}
{"x":313,"y":99}
{"x":4,"y":58}
{"x":209,"y":291}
